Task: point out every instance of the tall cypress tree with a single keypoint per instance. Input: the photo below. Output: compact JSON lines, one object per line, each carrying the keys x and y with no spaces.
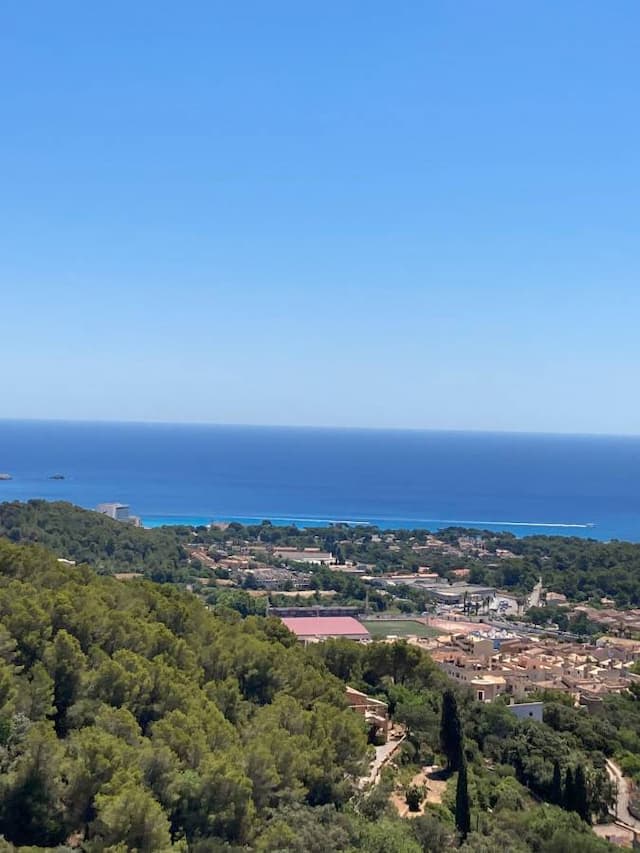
{"x":569,"y":799}
{"x":463,"y":809}
{"x":556,"y":784}
{"x":581,"y":795}
{"x":451,"y":731}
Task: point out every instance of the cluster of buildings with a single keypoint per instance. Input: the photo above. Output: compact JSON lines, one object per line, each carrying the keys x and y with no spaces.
{"x":518,"y":666}
{"x":264,"y":566}
{"x":490,"y":661}
{"x":313,"y":556}
{"x":622,"y":623}
{"x":263,"y":559}
{"x":280,"y":553}
{"x":242,"y":567}
{"x":465,"y":546}
{"x":439,"y":590}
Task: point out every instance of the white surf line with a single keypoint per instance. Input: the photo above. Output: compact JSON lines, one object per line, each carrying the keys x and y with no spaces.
{"x":323,"y":520}
{"x":370,"y":521}
{"x":511,"y":523}
{"x":373,"y":522}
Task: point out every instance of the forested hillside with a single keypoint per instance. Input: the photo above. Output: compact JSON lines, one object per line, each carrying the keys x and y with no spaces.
{"x":133,"y":719}
{"x":128,"y":714}
{"x":583,"y":569}
{"x":89,"y":537}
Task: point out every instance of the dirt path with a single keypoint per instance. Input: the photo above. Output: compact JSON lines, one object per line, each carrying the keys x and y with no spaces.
{"x":436,"y":784}
{"x":382,"y":756}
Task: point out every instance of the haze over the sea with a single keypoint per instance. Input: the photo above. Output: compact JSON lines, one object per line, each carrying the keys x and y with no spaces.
{"x":525,"y":483}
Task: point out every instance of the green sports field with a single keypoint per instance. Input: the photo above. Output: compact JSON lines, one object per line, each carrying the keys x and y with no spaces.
{"x":398,"y":627}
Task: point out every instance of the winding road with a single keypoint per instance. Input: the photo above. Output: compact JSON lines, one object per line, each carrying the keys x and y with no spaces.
{"x":622,"y":799}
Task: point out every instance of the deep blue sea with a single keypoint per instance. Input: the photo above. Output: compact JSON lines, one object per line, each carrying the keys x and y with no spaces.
{"x":572,"y":485}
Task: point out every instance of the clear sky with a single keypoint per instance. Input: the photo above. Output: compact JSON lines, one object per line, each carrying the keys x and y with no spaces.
{"x":420,"y":214}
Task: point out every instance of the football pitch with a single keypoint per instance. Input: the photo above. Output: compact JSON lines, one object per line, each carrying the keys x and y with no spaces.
{"x":398,"y":628}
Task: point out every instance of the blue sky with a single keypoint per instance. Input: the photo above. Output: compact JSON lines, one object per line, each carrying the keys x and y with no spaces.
{"x":362,"y":214}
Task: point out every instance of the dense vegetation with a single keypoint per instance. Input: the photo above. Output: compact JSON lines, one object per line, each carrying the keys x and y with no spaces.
{"x":88,"y":537}
{"x":130,"y":715}
{"x":131,"y":718}
{"x":525,"y":751}
{"x":582,"y":569}
{"x":382,"y":550}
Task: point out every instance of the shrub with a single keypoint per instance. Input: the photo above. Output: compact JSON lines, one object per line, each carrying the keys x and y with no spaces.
{"x":413,"y":797}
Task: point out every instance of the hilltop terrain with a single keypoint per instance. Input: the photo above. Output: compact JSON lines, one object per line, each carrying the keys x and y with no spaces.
{"x":133,"y":718}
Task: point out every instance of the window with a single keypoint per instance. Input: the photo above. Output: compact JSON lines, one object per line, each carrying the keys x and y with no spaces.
{"x":480,"y":695}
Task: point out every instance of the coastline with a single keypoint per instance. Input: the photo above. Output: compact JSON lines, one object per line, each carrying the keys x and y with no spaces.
{"x":518,"y":528}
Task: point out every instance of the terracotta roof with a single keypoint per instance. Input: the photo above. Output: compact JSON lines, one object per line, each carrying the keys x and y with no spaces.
{"x":325,"y":626}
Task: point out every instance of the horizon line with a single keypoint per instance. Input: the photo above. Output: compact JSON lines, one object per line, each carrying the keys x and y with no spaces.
{"x":320,"y":427}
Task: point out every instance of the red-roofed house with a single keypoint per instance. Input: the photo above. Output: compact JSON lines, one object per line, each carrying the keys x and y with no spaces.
{"x":314,"y":628}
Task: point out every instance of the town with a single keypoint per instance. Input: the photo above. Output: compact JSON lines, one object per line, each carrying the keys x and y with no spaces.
{"x":492,"y":639}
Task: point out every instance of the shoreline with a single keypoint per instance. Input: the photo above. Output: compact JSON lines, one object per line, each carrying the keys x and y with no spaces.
{"x":586,"y":530}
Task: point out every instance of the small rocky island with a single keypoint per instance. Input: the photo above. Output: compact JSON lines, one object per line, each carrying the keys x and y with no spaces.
{"x":57,"y":477}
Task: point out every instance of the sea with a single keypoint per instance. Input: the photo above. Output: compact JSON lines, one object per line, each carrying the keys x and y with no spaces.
{"x":570,"y":485}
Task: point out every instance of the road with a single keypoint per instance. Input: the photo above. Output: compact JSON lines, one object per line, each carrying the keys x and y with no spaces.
{"x":622,"y":802}
{"x":383,"y":754}
{"x":536,"y":594}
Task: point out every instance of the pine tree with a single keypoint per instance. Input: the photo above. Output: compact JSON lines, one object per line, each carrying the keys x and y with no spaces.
{"x":581,"y":794}
{"x":451,"y":731}
{"x":556,"y":784}
{"x":463,"y":810}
